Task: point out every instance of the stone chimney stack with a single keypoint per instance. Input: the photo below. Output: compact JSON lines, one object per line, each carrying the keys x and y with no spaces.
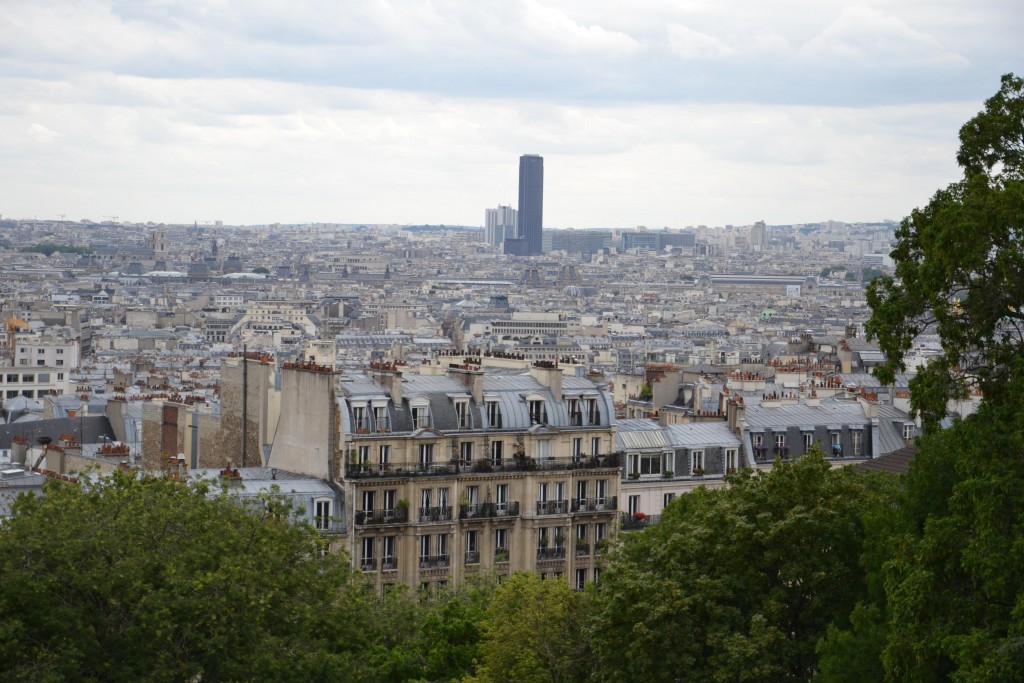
{"x":550,"y":375}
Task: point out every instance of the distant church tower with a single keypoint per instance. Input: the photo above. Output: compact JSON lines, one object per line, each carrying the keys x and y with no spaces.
{"x":158,"y":241}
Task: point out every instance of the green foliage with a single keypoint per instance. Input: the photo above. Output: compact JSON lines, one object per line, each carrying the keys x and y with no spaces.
{"x":960,"y":267}
{"x":533,"y":633}
{"x":144,"y":578}
{"x":956,"y":584}
{"x":48,"y":248}
{"x":742,"y":582}
{"x":261,"y":270}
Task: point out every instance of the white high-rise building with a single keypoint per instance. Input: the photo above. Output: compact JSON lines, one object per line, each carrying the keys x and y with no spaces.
{"x":500,"y":224}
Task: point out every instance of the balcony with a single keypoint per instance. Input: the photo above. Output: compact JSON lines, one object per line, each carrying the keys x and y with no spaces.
{"x":389,"y":563}
{"x":547,"y":554}
{"x":368,"y":564}
{"x":582,"y":549}
{"x":637,"y":521}
{"x":518,"y":463}
{"x":552,"y":507}
{"x":472,"y":557}
{"x":436,"y":514}
{"x":607,"y":504}
{"x":488,"y":510}
{"x":388,"y":516}
{"x":433,"y":561}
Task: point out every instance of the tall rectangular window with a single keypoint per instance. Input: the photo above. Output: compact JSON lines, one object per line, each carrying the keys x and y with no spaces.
{"x":730,"y":459}
{"x":634,"y":504}
{"x":466,"y":452}
{"x":856,"y":436}
{"x":322,"y":515}
{"x":808,"y":442}
{"x":384,"y":455}
{"x":494,"y":414}
{"x":462,"y":413}
{"x":697,"y":462}
{"x":368,"y":501}
{"x":496,"y":451}
{"x":426,"y":454}
{"x":595,"y":445}
{"x":577,"y":448}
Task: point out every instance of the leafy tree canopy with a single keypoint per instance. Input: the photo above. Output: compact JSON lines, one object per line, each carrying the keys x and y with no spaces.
{"x":960,"y":267}
{"x":144,"y":578}
{"x":737,"y":584}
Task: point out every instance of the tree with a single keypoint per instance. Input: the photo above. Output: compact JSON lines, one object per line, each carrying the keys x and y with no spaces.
{"x":960,"y":267}
{"x":955,"y":582}
{"x":533,"y":633}
{"x":146,"y":578}
{"x":261,"y":270}
{"x":739,"y":583}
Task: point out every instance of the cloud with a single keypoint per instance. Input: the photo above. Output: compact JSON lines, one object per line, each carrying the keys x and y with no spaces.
{"x":689,"y":44}
{"x":41,"y":133}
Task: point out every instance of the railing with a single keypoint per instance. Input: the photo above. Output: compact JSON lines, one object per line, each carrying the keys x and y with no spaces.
{"x":501,"y":554}
{"x":488,"y":510}
{"x":552,"y":507}
{"x":518,"y":463}
{"x":389,"y":563}
{"x":368,"y":564}
{"x":431,"y":561}
{"x":607,"y":504}
{"x":472,"y":557}
{"x":388,"y":516}
{"x":637,"y":520}
{"x":436,"y":514}
{"x":557,"y":553}
{"x":582,"y":549}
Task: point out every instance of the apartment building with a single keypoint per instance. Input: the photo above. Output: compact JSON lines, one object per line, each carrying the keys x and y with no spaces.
{"x":454,"y":473}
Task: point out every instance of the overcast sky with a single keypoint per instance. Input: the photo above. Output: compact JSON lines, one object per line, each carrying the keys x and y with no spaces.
{"x":647,"y":112}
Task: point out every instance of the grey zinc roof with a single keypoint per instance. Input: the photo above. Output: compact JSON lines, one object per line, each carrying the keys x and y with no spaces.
{"x":642,"y":434}
{"x":829,"y":412}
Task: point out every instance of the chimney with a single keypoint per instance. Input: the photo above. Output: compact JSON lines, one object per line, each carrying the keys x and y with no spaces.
{"x":388,"y":376}
{"x":550,"y":376}
{"x":473,"y":380}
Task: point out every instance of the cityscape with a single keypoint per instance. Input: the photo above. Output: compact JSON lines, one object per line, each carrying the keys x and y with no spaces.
{"x":550,"y":342}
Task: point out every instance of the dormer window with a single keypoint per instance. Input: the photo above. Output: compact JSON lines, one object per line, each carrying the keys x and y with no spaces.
{"x":538,"y":413}
{"x":908,"y":431}
{"x":493,"y":414}
{"x":359,"y":419}
{"x":420,"y":409}
{"x":592,"y":413}
{"x":575,"y":412}
{"x":462,"y":413}
{"x":380,"y":418}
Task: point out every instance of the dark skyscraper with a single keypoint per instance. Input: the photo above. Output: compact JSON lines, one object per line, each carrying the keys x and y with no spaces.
{"x":530,"y":217}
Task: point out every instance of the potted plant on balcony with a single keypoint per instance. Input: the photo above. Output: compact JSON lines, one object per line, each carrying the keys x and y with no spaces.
{"x":501,"y":555}
{"x":698,"y":471}
{"x":634,"y":475}
{"x":668,"y":474}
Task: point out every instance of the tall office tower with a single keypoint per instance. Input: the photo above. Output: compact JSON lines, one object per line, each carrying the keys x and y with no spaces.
{"x":531,"y":207}
{"x":500,"y":224}
{"x":759,"y":236}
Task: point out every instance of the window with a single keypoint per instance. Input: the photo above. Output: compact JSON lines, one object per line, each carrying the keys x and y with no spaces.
{"x":364,"y":455}
{"x":368,"y":501}
{"x":669,"y":497}
{"x":543,"y":538}
{"x":368,"y":562}
{"x":634,"y":504}
{"x":60,"y":362}
{"x":473,"y":494}
{"x":595,"y":445}
{"x":384,"y":455}
{"x":758,"y":440}
{"x":780,"y":442}
{"x":581,"y":488}
{"x":581,"y":579}
{"x":857,"y":438}
{"x":544,"y":449}
{"x":466,"y":452}
{"x":496,"y":451}
{"x":425,"y":546}
{"x":389,"y":552}
{"x":359,"y":422}
{"x":593,"y":414}
{"x":60,"y":375}
{"x":380,"y":418}
{"x":12,"y":379}
{"x":40,"y":362}
{"x":908,"y":432}
{"x":542,"y":493}
{"x":388,"y":500}
{"x":581,"y":532}
{"x":60,"y":352}
{"x":808,"y":441}
{"x":462,"y":413}
{"x":28,"y":378}
{"x":442,"y":544}
{"x":648,"y":463}
{"x":538,"y":414}
{"x":577,"y":448}
{"x":501,"y":497}
{"x":600,"y":531}
{"x":575,"y":414}
{"x":730,"y":459}
{"x":501,"y":540}
{"x":472,"y":546}
{"x":494,"y":414}
{"x":420,"y":417}
{"x":597,"y":574}
{"x":601,"y":490}
{"x":426,"y":498}
{"x":426,"y":455}
{"x":442,"y":497}
{"x":837,"y":447}
{"x":322,"y":514}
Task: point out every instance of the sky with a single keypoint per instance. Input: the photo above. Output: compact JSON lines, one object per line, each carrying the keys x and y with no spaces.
{"x":647,"y":112}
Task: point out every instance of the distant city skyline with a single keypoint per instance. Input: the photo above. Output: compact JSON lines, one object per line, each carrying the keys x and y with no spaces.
{"x":658,"y":114}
